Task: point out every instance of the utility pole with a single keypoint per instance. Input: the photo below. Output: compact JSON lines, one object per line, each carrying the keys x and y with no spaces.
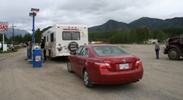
{"x":13,"y":34}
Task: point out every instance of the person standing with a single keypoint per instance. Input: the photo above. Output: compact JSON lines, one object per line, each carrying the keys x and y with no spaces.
{"x":157,"y":48}
{"x":28,"y":55}
{"x":43,"y":48}
{"x":29,"y":52}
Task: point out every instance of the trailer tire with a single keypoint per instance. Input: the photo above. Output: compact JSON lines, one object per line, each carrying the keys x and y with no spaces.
{"x":73,"y":46}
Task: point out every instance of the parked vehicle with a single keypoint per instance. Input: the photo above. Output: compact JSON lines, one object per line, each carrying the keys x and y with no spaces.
{"x":174,"y":47}
{"x":105,"y":64}
{"x":62,"y":39}
{"x":0,"y":46}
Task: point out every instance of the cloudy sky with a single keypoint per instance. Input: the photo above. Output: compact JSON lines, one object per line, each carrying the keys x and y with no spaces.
{"x":85,"y":12}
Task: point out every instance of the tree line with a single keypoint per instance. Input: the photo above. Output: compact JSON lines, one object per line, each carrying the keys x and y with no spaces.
{"x":140,"y":35}
{"x":22,"y":39}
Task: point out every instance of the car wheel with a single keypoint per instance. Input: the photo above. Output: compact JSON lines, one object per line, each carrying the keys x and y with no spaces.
{"x":173,"y":54}
{"x":69,"y":68}
{"x":86,"y":79}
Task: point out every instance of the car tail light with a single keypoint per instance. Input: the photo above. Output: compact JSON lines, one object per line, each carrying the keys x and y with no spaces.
{"x":138,"y":63}
{"x":59,"y":48}
{"x":102,"y":65}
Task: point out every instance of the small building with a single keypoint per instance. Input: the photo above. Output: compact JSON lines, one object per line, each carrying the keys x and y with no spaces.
{"x":96,"y":42}
{"x":152,"y":41}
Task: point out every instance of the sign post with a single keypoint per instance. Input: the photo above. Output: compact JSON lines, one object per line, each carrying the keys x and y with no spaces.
{"x":3,"y":28}
{"x":3,"y":41}
{"x":33,"y":13}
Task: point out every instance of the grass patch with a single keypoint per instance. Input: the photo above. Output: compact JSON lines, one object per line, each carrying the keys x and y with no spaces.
{"x":10,"y":51}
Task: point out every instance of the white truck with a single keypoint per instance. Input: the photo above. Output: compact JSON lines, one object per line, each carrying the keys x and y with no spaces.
{"x":63,"y":39}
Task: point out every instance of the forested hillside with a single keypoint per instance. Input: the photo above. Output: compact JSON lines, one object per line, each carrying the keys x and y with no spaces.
{"x":112,"y":31}
{"x":137,"y":31}
{"x":151,"y":23}
{"x":140,"y":35}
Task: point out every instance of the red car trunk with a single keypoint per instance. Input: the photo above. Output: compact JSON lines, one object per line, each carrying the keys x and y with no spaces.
{"x":120,"y":63}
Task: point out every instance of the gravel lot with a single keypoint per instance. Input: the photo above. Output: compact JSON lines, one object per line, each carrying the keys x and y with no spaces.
{"x":162,"y":80}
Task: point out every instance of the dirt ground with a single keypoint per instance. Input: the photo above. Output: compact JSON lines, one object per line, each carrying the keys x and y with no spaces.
{"x":162,"y":80}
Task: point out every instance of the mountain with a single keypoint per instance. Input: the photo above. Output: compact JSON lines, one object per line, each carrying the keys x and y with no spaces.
{"x":9,"y":33}
{"x":151,"y":23}
{"x":156,"y":24}
{"x":109,"y":26}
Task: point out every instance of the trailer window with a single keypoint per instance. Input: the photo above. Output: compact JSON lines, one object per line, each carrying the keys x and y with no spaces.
{"x":76,"y":36}
{"x":45,"y":38}
{"x":67,"y":35}
{"x":52,"y":37}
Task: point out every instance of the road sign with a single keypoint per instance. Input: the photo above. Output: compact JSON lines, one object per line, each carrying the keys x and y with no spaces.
{"x":38,"y":58}
{"x":3,"y":26}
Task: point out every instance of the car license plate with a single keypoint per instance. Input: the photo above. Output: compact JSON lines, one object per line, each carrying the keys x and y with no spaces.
{"x":123,"y":66}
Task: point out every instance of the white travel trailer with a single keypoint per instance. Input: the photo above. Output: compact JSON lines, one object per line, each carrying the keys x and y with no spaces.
{"x":62,"y":39}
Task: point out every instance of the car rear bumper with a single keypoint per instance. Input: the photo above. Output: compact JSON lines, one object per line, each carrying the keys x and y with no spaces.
{"x":107,"y":77}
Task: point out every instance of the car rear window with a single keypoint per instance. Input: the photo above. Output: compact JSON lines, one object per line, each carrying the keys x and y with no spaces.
{"x":109,"y":50}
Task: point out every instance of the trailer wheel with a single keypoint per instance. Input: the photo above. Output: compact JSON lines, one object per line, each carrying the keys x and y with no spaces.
{"x":173,"y":54}
{"x":73,"y":46}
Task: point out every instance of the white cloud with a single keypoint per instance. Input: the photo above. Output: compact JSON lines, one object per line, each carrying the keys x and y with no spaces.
{"x":87,"y":12}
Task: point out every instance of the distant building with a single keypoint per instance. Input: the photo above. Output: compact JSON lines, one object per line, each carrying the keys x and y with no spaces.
{"x":0,"y":46}
{"x":96,"y":42}
{"x":152,"y":41}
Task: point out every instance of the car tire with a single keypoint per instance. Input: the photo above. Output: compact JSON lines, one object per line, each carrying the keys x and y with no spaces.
{"x":173,"y":54}
{"x":73,"y":46}
{"x":86,"y":79}
{"x":69,"y":68}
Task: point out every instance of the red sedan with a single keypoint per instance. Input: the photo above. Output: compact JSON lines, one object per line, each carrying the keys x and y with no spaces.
{"x":105,"y":64}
